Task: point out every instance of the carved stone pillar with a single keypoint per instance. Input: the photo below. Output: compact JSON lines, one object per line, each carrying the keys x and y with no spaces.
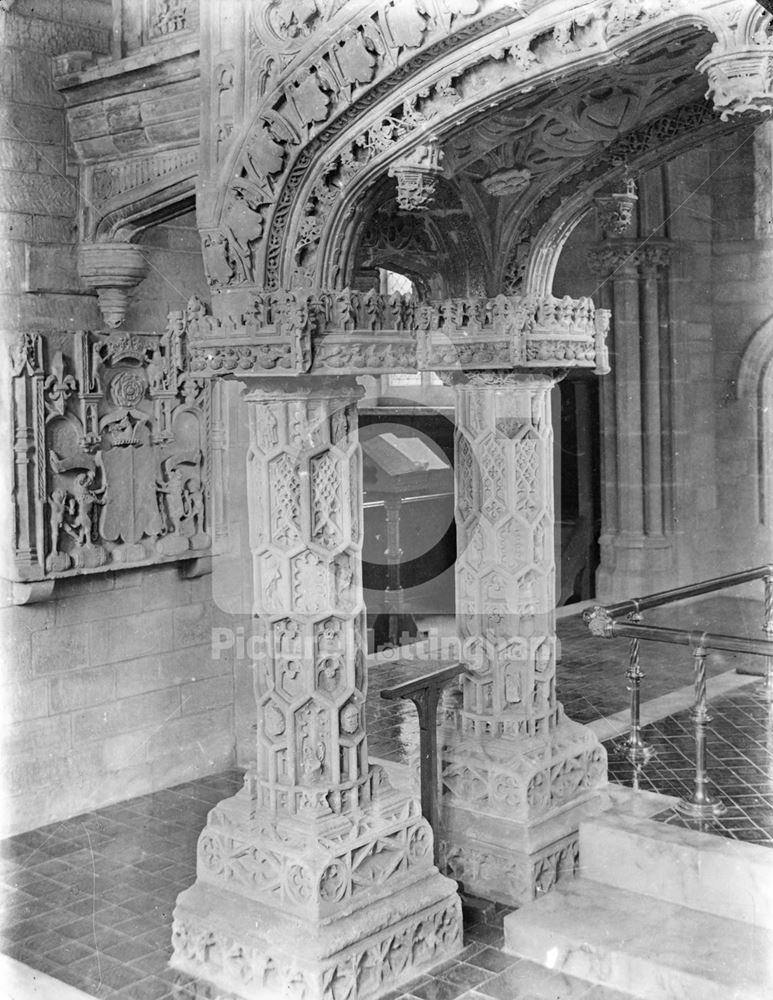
{"x":316,"y":879}
{"x":636,"y":546}
{"x":516,"y":773}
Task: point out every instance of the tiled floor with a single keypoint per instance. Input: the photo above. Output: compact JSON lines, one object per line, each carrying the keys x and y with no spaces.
{"x":590,"y":679}
{"x":89,"y":901}
{"x":739,"y":764}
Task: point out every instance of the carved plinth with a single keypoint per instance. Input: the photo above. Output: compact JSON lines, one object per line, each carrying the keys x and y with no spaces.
{"x":516,"y":773}
{"x":511,"y":809}
{"x":318,"y":876}
{"x":319,"y":905}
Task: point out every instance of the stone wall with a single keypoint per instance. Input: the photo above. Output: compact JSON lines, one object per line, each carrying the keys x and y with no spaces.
{"x":709,"y":204}
{"x":693,"y":395}
{"x":742,"y":265}
{"x":110,"y":689}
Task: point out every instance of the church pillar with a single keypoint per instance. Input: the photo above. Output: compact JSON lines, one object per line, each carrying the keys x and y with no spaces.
{"x":516,"y":773}
{"x":636,"y":546}
{"x":316,"y":879}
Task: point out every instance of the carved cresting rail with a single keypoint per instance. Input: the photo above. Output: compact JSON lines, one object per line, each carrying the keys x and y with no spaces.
{"x":352,"y":332}
{"x":112,"y":455}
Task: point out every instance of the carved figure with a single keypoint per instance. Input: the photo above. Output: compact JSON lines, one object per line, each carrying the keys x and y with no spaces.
{"x":174,"y":498}
{"x":84,"y":499}
{"x":59,"y":503}
{"x":193,"y":504}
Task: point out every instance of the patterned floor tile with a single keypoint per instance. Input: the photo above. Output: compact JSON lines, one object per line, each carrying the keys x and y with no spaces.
{"x":90,"y":899}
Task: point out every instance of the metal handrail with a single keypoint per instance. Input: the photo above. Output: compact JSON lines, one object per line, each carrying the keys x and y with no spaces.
{"x":602,"y":622}
{"x":639,"y":604}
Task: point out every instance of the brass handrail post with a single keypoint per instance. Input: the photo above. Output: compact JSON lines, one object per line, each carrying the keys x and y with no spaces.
{"x":634,"y":747}
{"x":701,"y":805}
{"x":766,"y":688}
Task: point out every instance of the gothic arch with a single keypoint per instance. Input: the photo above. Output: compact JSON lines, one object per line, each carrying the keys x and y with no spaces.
{"x":755,"y":382}
{"x":333,"y":115}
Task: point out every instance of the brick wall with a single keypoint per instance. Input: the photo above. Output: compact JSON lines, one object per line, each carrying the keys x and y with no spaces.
{"x":110,"y":689}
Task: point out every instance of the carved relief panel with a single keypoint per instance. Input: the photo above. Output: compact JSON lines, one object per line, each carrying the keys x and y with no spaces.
{"x":112,"y":456}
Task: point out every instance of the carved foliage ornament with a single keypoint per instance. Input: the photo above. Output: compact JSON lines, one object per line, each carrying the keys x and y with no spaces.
{"x":116,"y":464}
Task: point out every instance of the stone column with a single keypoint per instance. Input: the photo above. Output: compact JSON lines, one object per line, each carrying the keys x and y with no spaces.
{"x":517,"y":775}
{"x":636,"y":548}
{"x":316,"y":880}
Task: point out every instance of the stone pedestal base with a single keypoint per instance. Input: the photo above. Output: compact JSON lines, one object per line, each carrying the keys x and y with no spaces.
{"x":260,"y":953}
{"x":511,"y":812}
{"x":323,"y":907}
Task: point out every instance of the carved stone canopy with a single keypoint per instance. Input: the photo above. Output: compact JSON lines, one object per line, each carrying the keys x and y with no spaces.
{"x":344,"y":95}
{"x":357,"y":87}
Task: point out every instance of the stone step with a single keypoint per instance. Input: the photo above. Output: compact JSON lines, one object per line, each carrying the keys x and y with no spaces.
{"x":637,"y":944}
{"x":690,"y":868}
{"x":529,"y":981}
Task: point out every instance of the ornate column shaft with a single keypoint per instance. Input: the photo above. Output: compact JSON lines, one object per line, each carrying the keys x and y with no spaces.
{"x":516,"y":773}
{"x":316,"y":879}
{"x":652,"y":464}
{"x":636,"y":550}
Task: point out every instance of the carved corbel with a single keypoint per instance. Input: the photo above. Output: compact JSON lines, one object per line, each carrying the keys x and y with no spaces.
{"x":112,"y":270}
{"x":739,"y":67}
{"x":417,"y":175}
{"x":615,"y":211}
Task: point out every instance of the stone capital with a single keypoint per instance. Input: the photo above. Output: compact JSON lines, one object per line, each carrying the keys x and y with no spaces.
{"x":739,"y":67}
{"x":627,"y":257}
